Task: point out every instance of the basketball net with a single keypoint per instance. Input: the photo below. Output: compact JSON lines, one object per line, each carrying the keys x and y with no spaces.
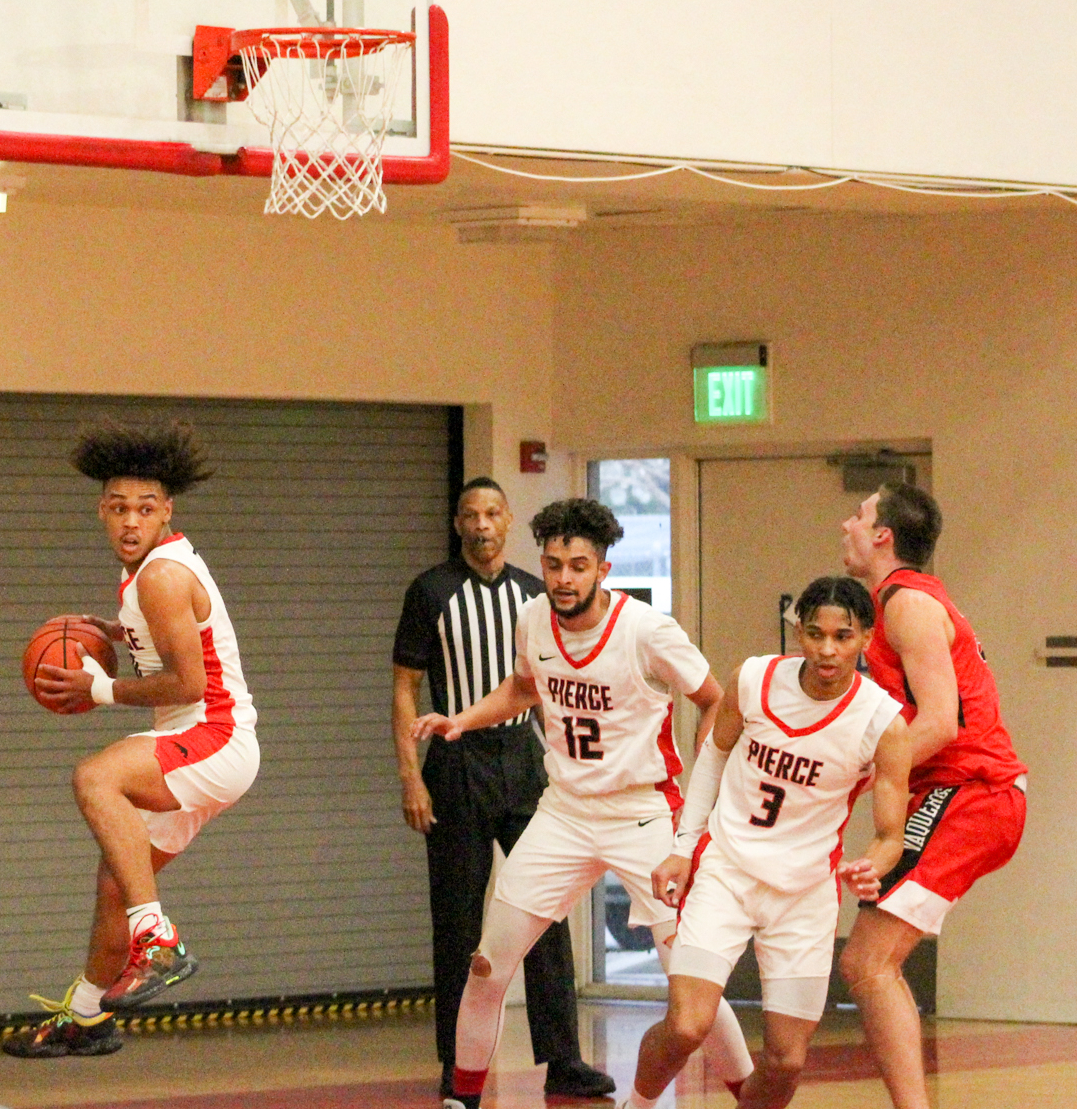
{"x":326,"y":95}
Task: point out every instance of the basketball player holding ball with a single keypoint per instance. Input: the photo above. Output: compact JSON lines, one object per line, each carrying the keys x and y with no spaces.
{"x":145,"y":797}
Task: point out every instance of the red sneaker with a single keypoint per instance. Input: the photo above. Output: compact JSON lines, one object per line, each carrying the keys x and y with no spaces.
{"x":154,"y":965}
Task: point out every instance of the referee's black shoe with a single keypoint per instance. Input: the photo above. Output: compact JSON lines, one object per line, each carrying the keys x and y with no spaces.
{"x":576,"y":1078}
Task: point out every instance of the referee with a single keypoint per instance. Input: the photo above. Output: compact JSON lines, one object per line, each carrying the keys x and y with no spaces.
{"x":458,"y":626}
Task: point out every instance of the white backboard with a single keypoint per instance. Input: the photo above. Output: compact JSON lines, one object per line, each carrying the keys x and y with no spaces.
{"x":119,"y":71}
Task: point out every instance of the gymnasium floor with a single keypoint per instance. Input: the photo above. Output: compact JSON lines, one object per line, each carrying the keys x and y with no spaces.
{"x":387,"y":1062}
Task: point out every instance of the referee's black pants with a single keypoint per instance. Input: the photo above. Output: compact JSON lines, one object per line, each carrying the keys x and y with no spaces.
{"x":483,"y":788}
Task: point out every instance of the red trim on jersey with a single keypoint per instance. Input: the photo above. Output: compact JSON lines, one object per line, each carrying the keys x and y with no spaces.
{"x":131,"y":577}
{"x":835,"y":855}
{"x":597,"y":649}
{"x":830,"y":717}
{"x":219,"y":702}
{"x":697,"y":854}
{"x":673,"y":763}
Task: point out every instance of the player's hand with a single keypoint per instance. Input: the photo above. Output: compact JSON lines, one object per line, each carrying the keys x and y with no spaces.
{"x":862,"y":879}
{"x":415,"y":801}
{"x":669,"y":879}
{"x":434,"y":724}
{"x":112,"y":628}
{"x":63,"y":690}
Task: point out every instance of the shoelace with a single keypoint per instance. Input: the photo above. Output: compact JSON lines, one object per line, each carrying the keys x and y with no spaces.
{"x":143,"y":946}
{"x":61,"y":1010}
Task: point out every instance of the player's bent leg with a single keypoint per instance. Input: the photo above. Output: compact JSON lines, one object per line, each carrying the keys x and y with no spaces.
{"x":507,"y":937}
{"x":871,"y":966}
{"x":113,"y":789}
{"x":785,"y":1049}
{"x":726,"y":1047}
{"x":693,"y":1003}
{"x":110,"y":787}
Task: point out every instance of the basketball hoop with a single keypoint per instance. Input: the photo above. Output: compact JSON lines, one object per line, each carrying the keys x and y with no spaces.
{"x":326,"y":95}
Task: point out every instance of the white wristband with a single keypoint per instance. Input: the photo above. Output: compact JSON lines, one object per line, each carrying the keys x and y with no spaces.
{"x":101,"y":690}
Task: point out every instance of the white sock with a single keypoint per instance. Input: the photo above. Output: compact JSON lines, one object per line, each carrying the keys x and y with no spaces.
{"x":149,"y":917}
{"x":636,"y":1100}
{"x":86,"y":998}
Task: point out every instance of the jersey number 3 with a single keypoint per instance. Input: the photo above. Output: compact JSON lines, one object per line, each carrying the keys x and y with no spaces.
{"x":771,"y":806}
{"x":582,"y":737}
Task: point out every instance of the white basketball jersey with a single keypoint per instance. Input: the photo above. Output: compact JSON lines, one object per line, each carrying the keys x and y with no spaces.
{"x":226,"y":700}
{"x":796,"y":770}
{"x":607,"y":729}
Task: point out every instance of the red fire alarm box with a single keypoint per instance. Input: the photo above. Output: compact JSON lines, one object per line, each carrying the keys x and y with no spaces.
{"x":532,"y":457}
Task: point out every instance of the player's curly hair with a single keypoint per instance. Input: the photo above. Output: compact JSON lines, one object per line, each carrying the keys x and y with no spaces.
{"x":165,"y":452}
{"x":846,"y":593}
{"x":578,"y":517}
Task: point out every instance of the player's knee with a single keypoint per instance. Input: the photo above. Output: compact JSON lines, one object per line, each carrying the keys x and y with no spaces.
{"x":862,"y":973}
{"x":782,"y":1066}
{"x":850,"y":965}
{"x":86,"y":779}
{"x":480,"y":965}
{"x":860,"y":968}
{"x":688,"y":1028}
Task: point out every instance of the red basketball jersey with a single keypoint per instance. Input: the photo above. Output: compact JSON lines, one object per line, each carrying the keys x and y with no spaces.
{"x":982,"y":750}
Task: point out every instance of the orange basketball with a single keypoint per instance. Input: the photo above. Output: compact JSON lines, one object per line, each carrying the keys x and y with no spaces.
{"x":54,"y":645}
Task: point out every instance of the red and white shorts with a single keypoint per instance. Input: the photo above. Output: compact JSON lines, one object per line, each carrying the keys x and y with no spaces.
{"x":207,"y":768}
{"x":954,"y":835}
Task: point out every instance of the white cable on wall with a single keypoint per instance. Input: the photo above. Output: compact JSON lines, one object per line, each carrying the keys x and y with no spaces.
{"x":960,"y":188}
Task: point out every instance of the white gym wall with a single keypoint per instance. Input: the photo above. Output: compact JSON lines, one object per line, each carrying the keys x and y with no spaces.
{"x":961,"y":88}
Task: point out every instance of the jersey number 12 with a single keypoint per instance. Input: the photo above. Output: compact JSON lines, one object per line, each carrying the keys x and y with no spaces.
{"x":582,"y":737}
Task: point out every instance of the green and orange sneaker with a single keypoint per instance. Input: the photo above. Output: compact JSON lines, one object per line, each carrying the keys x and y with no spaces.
{"x":154,"y":965}
{"x":64,"y":1033}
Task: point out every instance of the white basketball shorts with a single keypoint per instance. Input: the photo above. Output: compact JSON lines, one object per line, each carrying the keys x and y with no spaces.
{"x":207,"y":769}
{"x":794,"y":934}
{"x":572,"y":841}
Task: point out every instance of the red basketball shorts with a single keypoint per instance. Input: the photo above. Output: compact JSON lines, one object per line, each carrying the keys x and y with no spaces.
{"x":954,"y":835}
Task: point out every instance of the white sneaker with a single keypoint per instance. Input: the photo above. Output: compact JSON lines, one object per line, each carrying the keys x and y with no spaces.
{"x":452,"y":1103}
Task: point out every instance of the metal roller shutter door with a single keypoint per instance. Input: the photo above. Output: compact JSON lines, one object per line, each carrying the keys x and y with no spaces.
{"x":316,"y":520}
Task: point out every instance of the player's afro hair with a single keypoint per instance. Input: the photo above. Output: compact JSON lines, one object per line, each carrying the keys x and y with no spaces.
{"x":577,"y":517}
{"x":165,"y":452}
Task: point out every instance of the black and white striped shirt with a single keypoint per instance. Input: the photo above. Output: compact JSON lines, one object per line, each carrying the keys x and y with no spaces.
{"x":461,"y":631}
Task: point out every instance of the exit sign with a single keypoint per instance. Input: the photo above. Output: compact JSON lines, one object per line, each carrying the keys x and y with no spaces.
{"x":731,"y":385}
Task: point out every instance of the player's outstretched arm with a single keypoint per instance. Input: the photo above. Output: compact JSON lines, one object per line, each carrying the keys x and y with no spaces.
{"x":919,"y":629}
{"x":516,"y":694}
{"x":892,"y":764}
{"x":414,"y":796}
